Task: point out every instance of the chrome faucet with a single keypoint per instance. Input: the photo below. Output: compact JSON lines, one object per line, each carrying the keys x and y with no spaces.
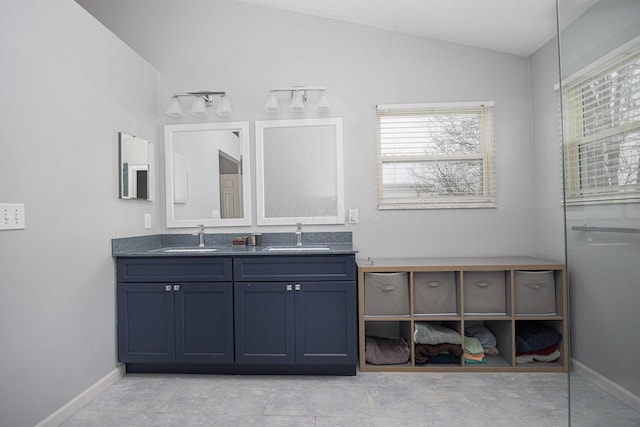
{"x":299,"y":234}
{"x":200,"y":234}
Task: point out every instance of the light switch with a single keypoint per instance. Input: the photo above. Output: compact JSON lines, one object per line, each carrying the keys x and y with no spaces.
{"x":11,"y":216}
{"x":353,"y":216}
{"x":147,"y":220}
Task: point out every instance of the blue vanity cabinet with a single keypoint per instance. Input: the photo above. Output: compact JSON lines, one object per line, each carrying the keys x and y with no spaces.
{"x":264,"y":323}
{"x":175,"y":310}
{"x":145,"y":322}
{"x":296,"y":310}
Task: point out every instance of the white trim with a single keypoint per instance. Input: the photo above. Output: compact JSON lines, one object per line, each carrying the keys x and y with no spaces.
{"x":261,"y":203}
{"x":75,"y":404}
{"x":615,"y":390}
{"x":435,"y":105}
{"x":243,"y":129}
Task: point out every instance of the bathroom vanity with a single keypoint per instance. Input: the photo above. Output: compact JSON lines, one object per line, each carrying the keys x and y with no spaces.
{"x":238,"y":309}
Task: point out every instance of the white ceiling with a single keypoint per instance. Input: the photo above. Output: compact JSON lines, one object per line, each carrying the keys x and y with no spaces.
{"x":513,"y":26}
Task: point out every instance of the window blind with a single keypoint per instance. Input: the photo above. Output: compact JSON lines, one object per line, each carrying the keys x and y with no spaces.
{"x":602,"y":134}
{"x":435,"y":156}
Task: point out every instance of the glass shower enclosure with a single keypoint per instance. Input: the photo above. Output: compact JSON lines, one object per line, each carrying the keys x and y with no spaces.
{"x":600,"y":92}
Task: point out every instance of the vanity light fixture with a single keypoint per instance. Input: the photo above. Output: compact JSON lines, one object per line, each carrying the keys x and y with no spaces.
{"x":202,"y":100}
{"x":298,"y":95}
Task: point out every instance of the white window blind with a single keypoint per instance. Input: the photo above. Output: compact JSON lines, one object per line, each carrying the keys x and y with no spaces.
{"x":435,"y":156}
{"x":602,"y":134}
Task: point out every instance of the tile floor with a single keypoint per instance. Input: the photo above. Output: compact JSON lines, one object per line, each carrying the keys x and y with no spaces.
{"x":368,"y":399}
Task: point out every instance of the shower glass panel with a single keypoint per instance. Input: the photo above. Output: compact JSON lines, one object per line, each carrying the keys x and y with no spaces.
{"x":600,"y":89}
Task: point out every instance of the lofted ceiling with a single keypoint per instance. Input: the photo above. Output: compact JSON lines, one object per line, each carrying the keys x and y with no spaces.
{"x":513,"y":26}
{"x":518,"y":27}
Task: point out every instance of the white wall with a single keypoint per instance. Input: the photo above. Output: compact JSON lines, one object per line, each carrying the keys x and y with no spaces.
{"x":547,"y":152}
{"x":246,"y":50}
{"x":67,"y":87}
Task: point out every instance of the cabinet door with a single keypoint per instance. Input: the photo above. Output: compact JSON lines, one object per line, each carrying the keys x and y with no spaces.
{"x":326,"y":323}
{"x":264,"y":323}
{"x":204,"y":322}
{"x":145,"y":322}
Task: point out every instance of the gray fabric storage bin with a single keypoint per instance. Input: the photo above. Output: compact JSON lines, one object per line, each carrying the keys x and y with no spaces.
{"x":434,"y":293}
{"x":386,"y":294}
{"x":484,"y":292}
{"x":535,"y":292}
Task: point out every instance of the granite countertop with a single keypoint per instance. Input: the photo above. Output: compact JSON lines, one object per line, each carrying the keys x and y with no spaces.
{"x":158,"y":244}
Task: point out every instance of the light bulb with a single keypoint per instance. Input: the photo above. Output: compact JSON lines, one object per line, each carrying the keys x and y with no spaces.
{"x":199,"y":107}
{"x":174,"y":109}
{"x":272,"y":106}
{"x":224,"y":106}
{"x":323,"y":102}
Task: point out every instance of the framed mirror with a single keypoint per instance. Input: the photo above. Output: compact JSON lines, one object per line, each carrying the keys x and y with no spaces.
{"x":135,"y":155}
{"x":300,"y":175}
{"x":207,"y":174}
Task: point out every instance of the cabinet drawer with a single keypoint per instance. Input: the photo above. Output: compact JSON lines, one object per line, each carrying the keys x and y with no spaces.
{"x":209,"y":269}
{"x":294,"y":268}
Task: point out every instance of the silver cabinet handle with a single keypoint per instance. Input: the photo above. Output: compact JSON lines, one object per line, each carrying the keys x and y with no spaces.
{"x":289,"y":287}
{"x":297,"y":286}
{"x":167,"y":288}
{"x":176,"y":287}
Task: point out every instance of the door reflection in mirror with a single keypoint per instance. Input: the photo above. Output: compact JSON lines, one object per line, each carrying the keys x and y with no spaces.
{"x":207,"y":174}
{"x":134,"y":160}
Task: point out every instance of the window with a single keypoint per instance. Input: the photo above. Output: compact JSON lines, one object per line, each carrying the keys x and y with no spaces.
{"x":602,"y":134}
{"x":435,"y":156}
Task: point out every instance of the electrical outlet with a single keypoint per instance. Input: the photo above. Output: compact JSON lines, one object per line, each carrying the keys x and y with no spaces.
{"x":353,"y":216}
{"x":147,"y":220}
{"x":11,"y":216}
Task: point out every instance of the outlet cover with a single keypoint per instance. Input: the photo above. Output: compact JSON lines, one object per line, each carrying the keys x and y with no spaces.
{"x":12,"y":216}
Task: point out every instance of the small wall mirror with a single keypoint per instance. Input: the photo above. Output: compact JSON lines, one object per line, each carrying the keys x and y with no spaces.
{"x":300,"y":175}
{"x":135,"y":156}
{"x":207,"y":173}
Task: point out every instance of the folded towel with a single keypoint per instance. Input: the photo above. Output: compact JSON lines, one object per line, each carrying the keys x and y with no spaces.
{"x":472,"y":345}
{"x":386,"y":351}
{"x":432,"y":333}
{"x":486,"y":337}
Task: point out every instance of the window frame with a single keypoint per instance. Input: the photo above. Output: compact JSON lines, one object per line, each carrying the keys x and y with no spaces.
{"x":485,"y":156}
{"x":576,"y":136}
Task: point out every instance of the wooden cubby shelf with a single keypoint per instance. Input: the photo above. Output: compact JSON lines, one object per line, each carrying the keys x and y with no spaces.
{"x":500,"y":292}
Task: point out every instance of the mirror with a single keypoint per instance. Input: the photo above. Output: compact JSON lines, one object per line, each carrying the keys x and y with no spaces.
{"x":135,"y":155}
{"x":207,"y":173}
{"x":300,"y":176}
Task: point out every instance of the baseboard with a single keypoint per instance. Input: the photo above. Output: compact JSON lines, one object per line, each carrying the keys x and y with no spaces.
{"x":75,"y":404}
{"x":615,"y":390}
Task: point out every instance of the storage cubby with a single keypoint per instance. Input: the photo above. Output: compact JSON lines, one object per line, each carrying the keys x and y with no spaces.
{"x":501,"y":331}
{"x":501,"y":295}
{"x":542,"y":343}
{"x":389,"y":333}
{"x":436,"y":342}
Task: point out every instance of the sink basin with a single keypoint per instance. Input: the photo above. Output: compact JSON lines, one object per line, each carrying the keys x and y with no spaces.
{"x":299,"y":248}
{"x":187,"y":250}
